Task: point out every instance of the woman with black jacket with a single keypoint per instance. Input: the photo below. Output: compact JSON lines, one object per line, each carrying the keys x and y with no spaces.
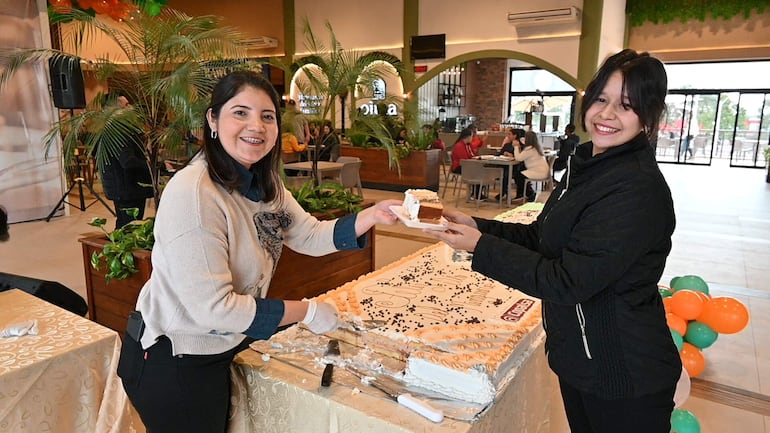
{"x":595,"y":255}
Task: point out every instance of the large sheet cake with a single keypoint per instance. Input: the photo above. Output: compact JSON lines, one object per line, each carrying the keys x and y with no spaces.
{"x":458,"y":331}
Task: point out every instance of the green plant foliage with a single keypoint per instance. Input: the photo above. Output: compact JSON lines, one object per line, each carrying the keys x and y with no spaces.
{"x":117,"y":255}
{"x":326,"y":197}
{"x":666,"y":11}
{"x":172,"y":63}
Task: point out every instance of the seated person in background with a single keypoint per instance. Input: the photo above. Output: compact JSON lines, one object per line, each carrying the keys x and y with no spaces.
{"x":291,"y":148}
{"x":400,"y":139}
{"x":437,"y":143}
{"x":3,"y":225}
{"x":329,"y":142}
{"x":477,"y":141}
{"x":512,"y":136}
{"x":535,"y":166}
{"x":566,"y":148}
{"x":463,"y":150}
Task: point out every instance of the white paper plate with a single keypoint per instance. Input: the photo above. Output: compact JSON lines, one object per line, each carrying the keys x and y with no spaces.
{"x":401,"y":214}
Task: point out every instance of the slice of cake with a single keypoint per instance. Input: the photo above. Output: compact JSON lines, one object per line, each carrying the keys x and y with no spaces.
{"x":423,"y":205}
{"x":458,"y":331}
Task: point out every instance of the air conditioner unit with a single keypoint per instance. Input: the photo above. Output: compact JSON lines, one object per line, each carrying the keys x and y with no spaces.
{"x":260,"y":42}
{"x":545,"y":16}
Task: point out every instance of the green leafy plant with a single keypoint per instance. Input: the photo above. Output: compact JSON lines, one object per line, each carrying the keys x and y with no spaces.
{"x":326,"y":197}
{"x":117,"y":255}
{"x":169,"y":65}
{"x":666,"y":11}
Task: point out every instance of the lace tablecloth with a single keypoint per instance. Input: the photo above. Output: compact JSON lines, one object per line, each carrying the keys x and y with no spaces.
{"x":63,"y":379}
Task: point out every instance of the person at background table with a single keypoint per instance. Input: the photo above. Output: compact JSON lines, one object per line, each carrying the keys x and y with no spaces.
{"x":512,"y":136}
{"x":464,"y":150}
{"x":4,"y":236}
{"x":329,"y":142}
{"x":126,"y":176}
{"x":477,"y":141}
{"x":437,"y":143}
{"x":219,"y":232}
{"x":300,"y":126}
{"x":533,"y":164}
{"x":401,"y":138}
{"x":595,"y":256}
{"x":566,"y":147}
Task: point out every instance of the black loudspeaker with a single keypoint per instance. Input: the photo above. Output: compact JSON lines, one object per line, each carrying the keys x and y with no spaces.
{"x":50,"y":291}
{"x":67,"y":83}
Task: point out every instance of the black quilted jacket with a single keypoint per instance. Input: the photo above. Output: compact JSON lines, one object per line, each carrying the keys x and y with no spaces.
{"x":595,"y":256}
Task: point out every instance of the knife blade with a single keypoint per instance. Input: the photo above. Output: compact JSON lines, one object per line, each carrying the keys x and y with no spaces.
{"x":332,"y":350}
{"x":394,"y":391}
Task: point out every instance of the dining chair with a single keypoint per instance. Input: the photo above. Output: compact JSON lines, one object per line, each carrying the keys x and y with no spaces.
{"x":350,"y":175}
{"x":449,"y":176}
{"x":542,"y":184}
{"x":474,"y":173}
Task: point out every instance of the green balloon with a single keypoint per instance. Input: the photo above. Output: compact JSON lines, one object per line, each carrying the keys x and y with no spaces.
{"x":700,"y":334}
{"x":678,"y":340}
{"x":153,"y":9}
{"x":691,"y":282}
{"x":664,"y":293}
{"x":683,"y":421}
{"x":673,"y":280}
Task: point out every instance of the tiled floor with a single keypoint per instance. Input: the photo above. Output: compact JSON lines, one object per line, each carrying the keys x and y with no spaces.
{"x":723,"y":235}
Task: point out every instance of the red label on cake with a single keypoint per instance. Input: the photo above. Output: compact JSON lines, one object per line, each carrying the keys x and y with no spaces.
{"x":518,"y":310}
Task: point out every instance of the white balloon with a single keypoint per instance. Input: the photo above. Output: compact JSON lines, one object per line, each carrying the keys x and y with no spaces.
{"x":682,"y":389}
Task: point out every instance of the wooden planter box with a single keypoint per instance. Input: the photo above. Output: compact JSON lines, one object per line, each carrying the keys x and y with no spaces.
{"x":418,"y":170}
{"x":297,"y":276}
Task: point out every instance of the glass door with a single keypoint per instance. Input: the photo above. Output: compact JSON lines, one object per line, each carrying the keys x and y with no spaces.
{"x":687,"y":132}
{"x":751,"y":125}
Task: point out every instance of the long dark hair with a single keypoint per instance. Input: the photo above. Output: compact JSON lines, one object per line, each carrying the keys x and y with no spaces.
{"x":644,"y":81}
{"x":223,"y":169}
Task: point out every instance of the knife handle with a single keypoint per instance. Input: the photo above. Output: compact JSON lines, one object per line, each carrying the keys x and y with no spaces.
{"x":326,"y":377}
{"x":422,"y":407}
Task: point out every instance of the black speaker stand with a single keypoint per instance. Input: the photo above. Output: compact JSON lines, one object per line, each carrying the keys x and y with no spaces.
{"x":79,"y":181}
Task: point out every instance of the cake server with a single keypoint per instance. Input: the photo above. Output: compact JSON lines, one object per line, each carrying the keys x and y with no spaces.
{"x":332,"y":350}
{"x":397,"y":393}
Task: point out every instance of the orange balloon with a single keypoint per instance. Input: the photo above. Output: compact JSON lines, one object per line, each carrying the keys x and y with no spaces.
{"x":667,"y":304}
{"x":676,"y":323}
{"x":692,"y":359}
{"x":725,"y":315}
{"x":686,"y":304}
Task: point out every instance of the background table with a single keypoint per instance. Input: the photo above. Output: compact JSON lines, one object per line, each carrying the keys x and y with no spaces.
{"x":323,"y":167}
{"x":63,"y":379}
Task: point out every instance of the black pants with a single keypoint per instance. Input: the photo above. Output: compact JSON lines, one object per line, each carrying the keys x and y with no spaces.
{"x":177,"y":394}
{"x":587,"y":413}
{"x":123,"y":217}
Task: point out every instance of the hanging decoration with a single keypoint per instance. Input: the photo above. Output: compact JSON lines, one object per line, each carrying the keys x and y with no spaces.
{"x":118,"y":10}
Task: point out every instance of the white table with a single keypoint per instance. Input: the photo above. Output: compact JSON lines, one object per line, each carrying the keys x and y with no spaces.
{"x":323,"y":167}
{"x":500,"y":161}
{"x":63,"y":379}
{"x":272,"y":396}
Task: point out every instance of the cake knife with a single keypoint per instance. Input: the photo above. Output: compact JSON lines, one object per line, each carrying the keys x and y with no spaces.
{"x":332,"y":350}
{"x":403,"y":398}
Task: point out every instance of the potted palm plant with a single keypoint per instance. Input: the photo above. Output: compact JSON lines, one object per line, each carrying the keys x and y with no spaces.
{"x":336,"y":74}
{"x":166,"y":65}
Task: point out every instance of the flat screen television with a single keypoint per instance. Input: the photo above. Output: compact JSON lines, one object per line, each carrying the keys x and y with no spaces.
{"x":428,"y":46}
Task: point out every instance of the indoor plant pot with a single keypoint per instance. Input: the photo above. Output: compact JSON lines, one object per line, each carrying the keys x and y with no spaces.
{"x":419,"y":169}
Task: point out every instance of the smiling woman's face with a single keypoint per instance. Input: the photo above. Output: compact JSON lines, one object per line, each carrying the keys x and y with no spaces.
{"x":610,"y":120}
{"x":247,"y":125}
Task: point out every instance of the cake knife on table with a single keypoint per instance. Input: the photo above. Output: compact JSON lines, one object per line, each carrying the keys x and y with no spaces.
{"x":403,"y":398}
